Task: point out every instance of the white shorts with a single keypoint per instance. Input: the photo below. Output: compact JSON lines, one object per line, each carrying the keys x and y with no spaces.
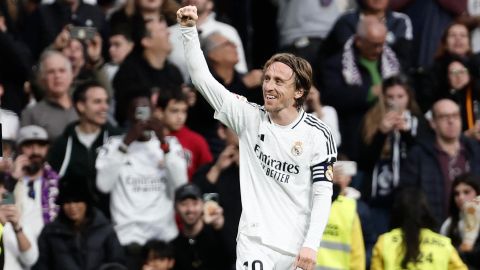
{"x":253,"y":255}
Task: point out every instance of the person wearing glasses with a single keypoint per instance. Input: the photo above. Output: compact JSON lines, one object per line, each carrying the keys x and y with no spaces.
{"x":432,"y":165}
{"x":36,"y":185}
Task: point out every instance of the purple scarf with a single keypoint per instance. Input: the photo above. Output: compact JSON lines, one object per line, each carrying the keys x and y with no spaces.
{"x":49,"y":194}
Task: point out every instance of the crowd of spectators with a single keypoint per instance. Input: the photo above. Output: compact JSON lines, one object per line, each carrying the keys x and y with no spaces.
{"x":112,"y":160}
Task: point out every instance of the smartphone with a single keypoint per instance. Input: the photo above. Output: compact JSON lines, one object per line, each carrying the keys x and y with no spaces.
{"x":7,"y":198}
{"x":83,"y":32}
{"x":346,"y":167}
{"x":211,"y":197}
{"x":142,"y":113}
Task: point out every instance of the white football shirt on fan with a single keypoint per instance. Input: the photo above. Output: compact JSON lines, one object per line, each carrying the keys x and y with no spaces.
{"x":279,"y":165}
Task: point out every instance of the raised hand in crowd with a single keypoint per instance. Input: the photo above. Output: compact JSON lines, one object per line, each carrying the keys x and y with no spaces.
{"x":228,"y":156}
{"x":393,"y":120}
{"x":94,"y":49}
{"x":135,"y":132}
{"x":19,"y":166}
{"x":213,"y":214}
{"x":62,"y":39}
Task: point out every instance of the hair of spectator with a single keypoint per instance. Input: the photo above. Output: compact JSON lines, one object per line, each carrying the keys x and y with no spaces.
{"x":402,"y":80}
{"x":207,"y":43}
{"x":122,"y":29}
{"x":472,"y":181}
{"x":369,"y":24}
{"x":46,"y":55}
{"x":411,"y":214}
{"x":438,"y":102}
{"x":172,"y":94}
{"x":157,"y":249}
{"x":302,"y":70}
{"x":80,"y":93}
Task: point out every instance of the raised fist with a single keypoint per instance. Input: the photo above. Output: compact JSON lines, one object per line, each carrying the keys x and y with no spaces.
{"x":187,"y":16}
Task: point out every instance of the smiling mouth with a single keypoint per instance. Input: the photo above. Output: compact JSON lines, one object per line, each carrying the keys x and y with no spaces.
{"x":270,"y":97}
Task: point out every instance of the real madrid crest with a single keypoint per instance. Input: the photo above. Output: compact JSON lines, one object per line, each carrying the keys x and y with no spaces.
{"x":329,"y":173}
{"x":297,"y":149}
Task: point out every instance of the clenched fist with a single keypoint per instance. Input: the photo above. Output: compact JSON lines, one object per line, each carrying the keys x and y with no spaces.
{"x":187,"y":16}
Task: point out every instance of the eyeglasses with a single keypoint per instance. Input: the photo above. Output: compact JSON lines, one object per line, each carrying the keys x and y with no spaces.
{"x":31,"y":189}
{"x":447,"y":116}
{"x":458,"y":71}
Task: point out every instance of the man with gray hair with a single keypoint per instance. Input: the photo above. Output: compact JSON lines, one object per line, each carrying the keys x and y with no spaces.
{"x":352,"y":80}
{"x":55,"y":111}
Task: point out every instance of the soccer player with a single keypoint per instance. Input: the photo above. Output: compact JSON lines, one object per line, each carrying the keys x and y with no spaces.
{"x":286,"y":158}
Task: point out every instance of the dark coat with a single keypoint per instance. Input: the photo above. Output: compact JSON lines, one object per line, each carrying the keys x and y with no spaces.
{"x":422,"y":169}
{"x":43,"y":26}
{"x":399,"y":38}
{"x":62,"y":248}
{"x":80,"y":164}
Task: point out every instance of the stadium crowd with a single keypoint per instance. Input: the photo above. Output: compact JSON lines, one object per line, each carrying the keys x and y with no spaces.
{"x":112,"y":160}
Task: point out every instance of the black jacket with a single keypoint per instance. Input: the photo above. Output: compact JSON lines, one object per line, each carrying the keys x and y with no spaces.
{"x":62,"y":248}
{"x":422,"y":169}
{"x":79,"y":162}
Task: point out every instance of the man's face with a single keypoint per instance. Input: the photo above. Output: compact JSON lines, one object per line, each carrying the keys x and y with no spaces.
{"x":95,"y":107}
{"x":458,"y":75}
{"x":57,"y":76}
{"x":223,"y":50}
{"x":371,"y":46}
{"x":75,"y":211}
{"x":279,"y":91}
{"x":158,"y":36}
{"x":376,"y":5}
{"x":74,"y":53}
{"x":120,"y":47}
{"x":190,"y":211}
{"x":36,"y":153}
{"x":175,"y":115}
{"x":458,"y":40}
{"x":446,"y":121}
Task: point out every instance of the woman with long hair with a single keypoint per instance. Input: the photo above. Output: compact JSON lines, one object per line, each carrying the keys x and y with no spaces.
{"x":454,"y":45}
{"x":412,"y":243}
{"x":389,"y":130}
{"x":464,"y":188}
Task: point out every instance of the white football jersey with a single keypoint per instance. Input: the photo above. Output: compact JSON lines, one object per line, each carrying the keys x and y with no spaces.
{"x":278,"y":164}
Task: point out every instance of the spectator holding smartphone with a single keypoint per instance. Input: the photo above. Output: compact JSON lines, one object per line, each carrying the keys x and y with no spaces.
{"x":19,"y":247}
{"x":200,"y":244}
{"x":36,"y":185}
{"x":141,"y":170}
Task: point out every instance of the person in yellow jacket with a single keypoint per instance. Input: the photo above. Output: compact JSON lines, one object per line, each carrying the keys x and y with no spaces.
{"x":342,"y":245}
{"x":413,"y":244}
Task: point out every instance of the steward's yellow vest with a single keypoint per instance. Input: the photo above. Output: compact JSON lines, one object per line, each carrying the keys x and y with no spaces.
{"x":335,"y":248}
{"x":435,"y":251}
